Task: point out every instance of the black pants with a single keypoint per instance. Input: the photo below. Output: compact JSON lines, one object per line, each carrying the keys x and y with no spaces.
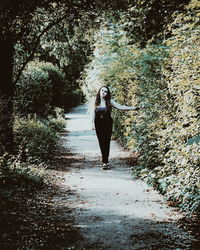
{"x":103,"y":128}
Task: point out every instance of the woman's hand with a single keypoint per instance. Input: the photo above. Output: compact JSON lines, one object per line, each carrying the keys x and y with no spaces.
{"x":137,"y":108}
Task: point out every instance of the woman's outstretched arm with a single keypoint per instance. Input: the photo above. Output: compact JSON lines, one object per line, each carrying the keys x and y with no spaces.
{"x":116,"y":105}
{"x":91,"y":113}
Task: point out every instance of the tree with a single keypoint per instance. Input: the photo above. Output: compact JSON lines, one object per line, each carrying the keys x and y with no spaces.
{"x":18,"y":19}
{"x":147,"y":20}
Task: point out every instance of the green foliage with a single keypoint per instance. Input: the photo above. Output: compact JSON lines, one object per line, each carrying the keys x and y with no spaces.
{"x":73,"y":98}
{"x":181,"y":72}
{"x":36,"y":140}
{"x":15,"y":173}
{"x":39,"y":90}
{"x":146,"y":20}
{"x":178,"y":179}
{"x":68,"y":45}
{"x":163,"y":79}
{"x":57,"y":81}
{"x":57,"y":121}
{"x":135,"y":78}
{"x":149,"y":57}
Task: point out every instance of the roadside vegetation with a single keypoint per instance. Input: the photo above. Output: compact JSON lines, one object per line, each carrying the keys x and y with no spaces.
{"x":56,"y":55}
{"x":158,"y":71}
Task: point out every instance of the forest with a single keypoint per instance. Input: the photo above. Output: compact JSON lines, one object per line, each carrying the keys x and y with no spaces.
{"x":56,"y":54}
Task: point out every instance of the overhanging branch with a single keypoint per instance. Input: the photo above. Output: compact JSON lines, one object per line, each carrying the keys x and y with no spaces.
{"x":49,"y":26}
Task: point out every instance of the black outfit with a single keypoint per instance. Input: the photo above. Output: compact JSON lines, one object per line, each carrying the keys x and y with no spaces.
{"x":103,"y":125}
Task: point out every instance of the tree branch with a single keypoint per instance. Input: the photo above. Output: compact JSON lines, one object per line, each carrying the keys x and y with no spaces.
{"x":36,"y":45}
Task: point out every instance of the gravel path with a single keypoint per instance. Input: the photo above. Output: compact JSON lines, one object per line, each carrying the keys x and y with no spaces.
{"x":111,"y":210}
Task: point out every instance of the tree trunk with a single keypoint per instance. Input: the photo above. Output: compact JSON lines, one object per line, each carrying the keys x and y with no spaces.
{"x":6,"y":92}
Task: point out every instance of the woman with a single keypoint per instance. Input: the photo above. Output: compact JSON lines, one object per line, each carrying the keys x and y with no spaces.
{"x":102,"y":121}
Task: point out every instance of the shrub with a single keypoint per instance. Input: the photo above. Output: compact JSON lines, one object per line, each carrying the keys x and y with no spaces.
{"x":57,"y":81}
{"x":33,"y":93}
{"x":57,"y":121}
{"x":163,"y":79}
{"x":72,"y":98}
{"x":39,"y":89}
{"x":37,"y":141}
{"x":15,"y":173}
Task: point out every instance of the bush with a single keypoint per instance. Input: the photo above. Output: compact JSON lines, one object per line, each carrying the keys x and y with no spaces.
{"x":15,"y":173}
{"x":179,"y":178}
{"x":33,"y":93}
{"x":72,"y":98}
{"x":57,"y":121}
{"x":35,"y":139}
{"x":162,"y":78}
{"x":57,"y":80}
{"x":39,"y":89}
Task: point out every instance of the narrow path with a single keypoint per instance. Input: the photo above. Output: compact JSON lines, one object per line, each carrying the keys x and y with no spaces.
{"x":111,"y":210}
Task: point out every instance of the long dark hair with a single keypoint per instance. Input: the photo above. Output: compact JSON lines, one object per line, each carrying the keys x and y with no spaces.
{"x":107,"y":98}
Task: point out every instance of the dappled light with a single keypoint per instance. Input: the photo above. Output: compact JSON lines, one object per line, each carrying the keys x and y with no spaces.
{"x":99,"y":124}
{"x":112,"y":209}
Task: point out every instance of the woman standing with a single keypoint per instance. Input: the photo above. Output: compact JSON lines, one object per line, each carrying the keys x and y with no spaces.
{"x":102,"y":121}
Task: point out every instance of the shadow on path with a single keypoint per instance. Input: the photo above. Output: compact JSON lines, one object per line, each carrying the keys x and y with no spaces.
{"x":111,"y":210}
{"x":90,"y":208}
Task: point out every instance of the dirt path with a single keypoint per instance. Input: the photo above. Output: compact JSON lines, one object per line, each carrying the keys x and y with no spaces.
{"x":111,"y":210}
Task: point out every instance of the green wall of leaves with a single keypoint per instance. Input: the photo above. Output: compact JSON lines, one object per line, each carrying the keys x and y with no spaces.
{"x":161,"y":77}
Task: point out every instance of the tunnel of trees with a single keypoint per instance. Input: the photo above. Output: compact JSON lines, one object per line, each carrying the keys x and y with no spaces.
{"x":54,"y":54}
